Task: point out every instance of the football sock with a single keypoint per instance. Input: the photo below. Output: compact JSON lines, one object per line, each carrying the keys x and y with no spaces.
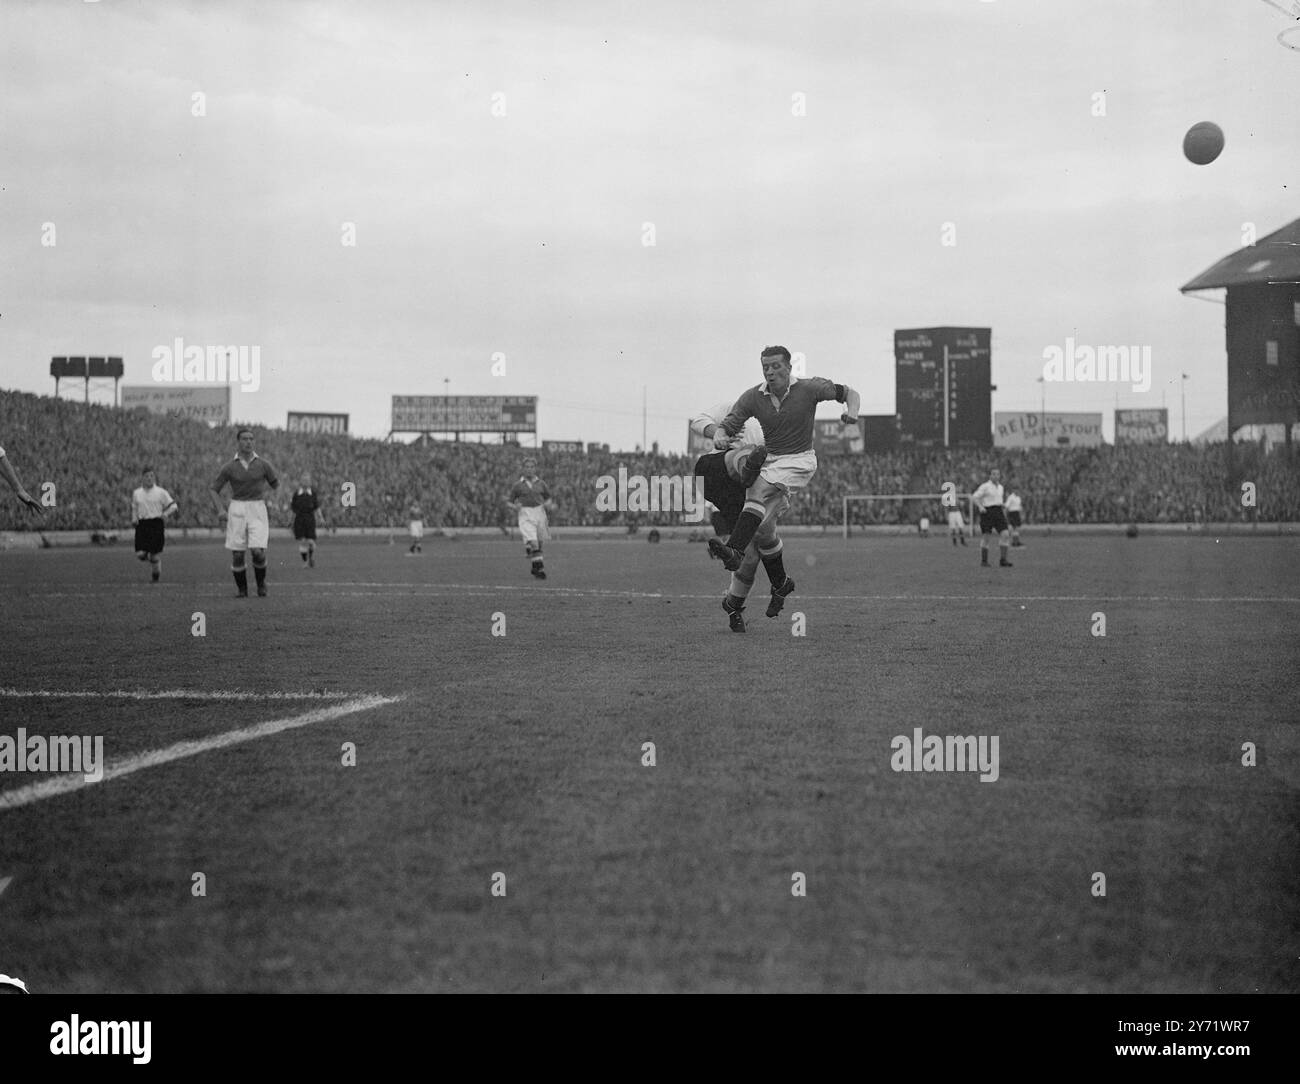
{"x":157,"y":566}
{"x":746,"y":525}
{"x":739,"y":589}
{"x":736,"y":602}
{"x":259,"y":571}
{"x":775,"y":569}
{"x":241,"y":580}
{"x":1002,"y":551}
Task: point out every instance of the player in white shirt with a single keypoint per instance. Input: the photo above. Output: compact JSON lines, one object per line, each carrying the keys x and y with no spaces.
{"x":988,"y":499}
{"x":150,"y":507}
{"x":956,"y":525}
{"x":727,"y":475}
{"x":1013,"y":517}
{"x":8,"y":473}
{"x":416,"y":528}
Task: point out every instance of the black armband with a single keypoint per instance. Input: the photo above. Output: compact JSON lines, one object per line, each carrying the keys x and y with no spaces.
{"x":841,"y":393}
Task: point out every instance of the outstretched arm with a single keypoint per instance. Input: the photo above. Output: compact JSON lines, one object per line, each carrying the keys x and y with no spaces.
{"x":11,"y":476}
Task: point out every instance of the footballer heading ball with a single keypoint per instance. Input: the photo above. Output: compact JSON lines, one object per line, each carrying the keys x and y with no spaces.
{"x":1203,"y":143}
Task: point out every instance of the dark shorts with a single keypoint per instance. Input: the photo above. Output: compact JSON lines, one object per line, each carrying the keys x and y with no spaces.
{"x":304,"y":526}
{"x":721,"y":490}
{"x":1014,"y":519}
{"x":993,"y":520}
{"x":149,"y":536}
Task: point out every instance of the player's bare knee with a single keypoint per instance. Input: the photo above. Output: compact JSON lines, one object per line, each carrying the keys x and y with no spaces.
{"x":259,"y":558}
{"x":237,"y":560}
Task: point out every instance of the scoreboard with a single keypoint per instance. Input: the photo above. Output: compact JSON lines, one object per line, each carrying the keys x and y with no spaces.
{"x":464,"y":414}
{"x":943,"y":377}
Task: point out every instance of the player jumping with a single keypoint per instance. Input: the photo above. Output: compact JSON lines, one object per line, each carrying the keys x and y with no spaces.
{"x":785,"y":408}
{"x":727,"y":475}
{"x":530,"y":498}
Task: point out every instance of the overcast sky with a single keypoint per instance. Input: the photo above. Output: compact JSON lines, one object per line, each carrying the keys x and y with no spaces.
{"x":525,"y":234}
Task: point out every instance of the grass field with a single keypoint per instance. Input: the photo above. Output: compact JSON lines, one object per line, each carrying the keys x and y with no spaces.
{"x":522,"y":754}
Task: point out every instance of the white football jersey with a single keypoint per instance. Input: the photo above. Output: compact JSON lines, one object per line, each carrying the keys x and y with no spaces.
{"x":151,"y":503}
{"x":989,"y":495}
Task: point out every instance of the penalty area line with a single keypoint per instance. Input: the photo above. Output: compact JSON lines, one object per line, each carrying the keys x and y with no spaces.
{"x":66,"y":784}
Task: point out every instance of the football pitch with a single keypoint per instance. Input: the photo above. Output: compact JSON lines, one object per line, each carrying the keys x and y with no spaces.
{"x":502,"y":827}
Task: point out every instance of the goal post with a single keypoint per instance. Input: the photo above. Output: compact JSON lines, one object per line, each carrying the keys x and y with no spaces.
{"x":964,"y":502}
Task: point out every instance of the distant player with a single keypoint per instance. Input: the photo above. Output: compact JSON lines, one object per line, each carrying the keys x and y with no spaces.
{"x":785,"y":408}
{"x":727,"y":474}
{"x":248,"y":527}
{"x":8,"y":473}
{"x":956,"y":525}
{"x":150,"y":507}
{"x":988,"y":499}
{"x":416,"y":528}
{"x":306,"y":516}
{"x":530,"y":498}
{"x":1013,"y":517}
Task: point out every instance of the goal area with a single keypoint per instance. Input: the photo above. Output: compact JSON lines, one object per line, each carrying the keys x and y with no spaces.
{"x":904,"y":510}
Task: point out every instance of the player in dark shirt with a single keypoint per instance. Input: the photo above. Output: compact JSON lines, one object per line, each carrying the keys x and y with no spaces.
{"x":250,"y":478}
{"x":785,"y":408}
{"x":306,"y":514}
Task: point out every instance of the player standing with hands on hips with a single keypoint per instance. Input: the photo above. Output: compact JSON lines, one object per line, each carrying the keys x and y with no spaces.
{"x":250,"y":477}
{"x":988,"y":499}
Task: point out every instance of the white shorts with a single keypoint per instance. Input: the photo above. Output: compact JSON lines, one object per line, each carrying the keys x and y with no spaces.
{"x":417,"y":528}
{"x":793,"y":471}
{"x":955,"y":518}
{"x":533,"y":526}
{"x":246,"y":526}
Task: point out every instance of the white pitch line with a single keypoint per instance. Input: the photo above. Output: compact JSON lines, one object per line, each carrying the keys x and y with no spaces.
{"x":66,"y":784}
{"x":171,"y":694}
{"x":469,"y":590}
{"x":449,"y":590}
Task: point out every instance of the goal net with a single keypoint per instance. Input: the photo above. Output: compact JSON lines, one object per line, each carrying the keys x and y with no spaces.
{"x":905,"y":510}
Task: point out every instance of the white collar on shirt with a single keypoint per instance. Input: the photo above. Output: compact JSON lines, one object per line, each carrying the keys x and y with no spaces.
{"x":771,"y":395}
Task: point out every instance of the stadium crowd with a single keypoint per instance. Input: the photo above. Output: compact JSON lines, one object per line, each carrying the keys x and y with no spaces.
{"x":93,"y":456}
